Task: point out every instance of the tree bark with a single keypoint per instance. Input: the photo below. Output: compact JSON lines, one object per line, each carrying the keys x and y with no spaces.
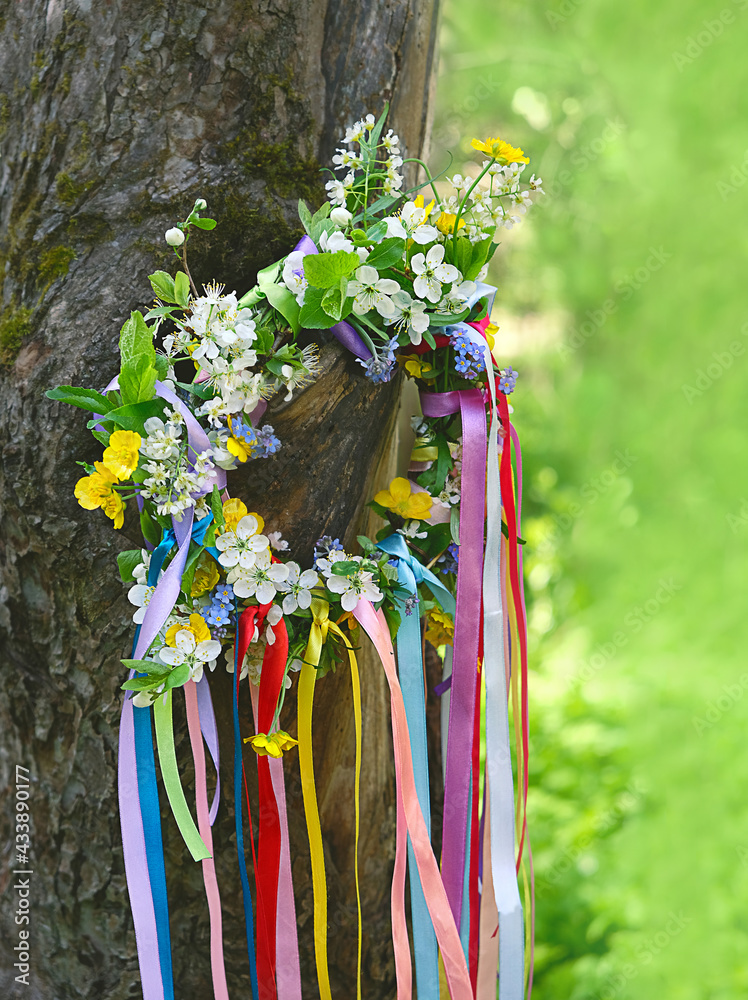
{"x":113,"y":118}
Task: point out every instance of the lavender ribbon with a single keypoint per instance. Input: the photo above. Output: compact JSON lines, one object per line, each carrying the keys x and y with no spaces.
{"x":343,"y":332}
{"x":210,"y":734}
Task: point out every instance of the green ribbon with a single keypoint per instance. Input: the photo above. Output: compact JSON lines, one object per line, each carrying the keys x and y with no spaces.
{"x":162,"y":716}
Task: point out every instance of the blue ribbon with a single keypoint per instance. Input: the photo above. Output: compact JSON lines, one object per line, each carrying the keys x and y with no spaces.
{"x":147,"y":786}
{"x":410,"y":665}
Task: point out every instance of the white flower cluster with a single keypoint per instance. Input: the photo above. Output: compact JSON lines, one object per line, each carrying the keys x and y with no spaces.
{"x":353,"y":161}
{"x":173,"y":477}
{"x":353,"y":587}
{"x":219,"y":335}
{"x":484,"y":212}
{"x":245,"y":553}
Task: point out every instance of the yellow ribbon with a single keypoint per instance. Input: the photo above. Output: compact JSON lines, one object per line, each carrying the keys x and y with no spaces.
{"x":321,"y":626}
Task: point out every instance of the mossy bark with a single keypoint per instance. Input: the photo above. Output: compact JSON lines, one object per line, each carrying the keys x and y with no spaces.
{"x":113,"y":118}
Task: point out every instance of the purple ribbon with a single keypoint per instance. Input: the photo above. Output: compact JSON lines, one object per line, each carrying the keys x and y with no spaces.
{"x":131,"y":821}
{"x":342,"y":331}
{"x":467,"y":632}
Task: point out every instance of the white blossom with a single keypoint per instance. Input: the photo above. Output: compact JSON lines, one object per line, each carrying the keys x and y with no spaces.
{"x":431,"y":273}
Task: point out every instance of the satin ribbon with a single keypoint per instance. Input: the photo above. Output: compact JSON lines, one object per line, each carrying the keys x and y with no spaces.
{"x":238,"y":817}
{"x":218,"y":971}
{"x":210,"y":735}
{"x":410,"y":664}
{"x":321,"y":626}
{"x":467,"y":632}
{"x":498,"y":755}
{"x":287,"y":969}
{"x":269,"y":836}
{"x":455,"y":967}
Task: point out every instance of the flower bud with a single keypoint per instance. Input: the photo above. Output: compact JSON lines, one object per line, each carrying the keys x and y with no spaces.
{"x":201,"y":204}
{"x":340,"y":216}
{"x":174,"y":237}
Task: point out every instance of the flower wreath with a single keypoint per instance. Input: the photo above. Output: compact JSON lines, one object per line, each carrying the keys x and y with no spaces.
{"x":399,"y":282}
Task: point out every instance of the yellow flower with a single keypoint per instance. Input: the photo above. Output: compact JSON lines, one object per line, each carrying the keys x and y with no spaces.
{"x":96,"y":491}
{"x":490,"y":334}
{"x":419,"y":203}
{"x":446,"y":223}
{"x":440,"y":629}
{"x":234,"y":511}
{"x":271,"y":746}
{"x":198,"y":627}
{"x":121,"y":457}
{"x":499,"y":150}
{"x":239,"y":445}
{"x":419,"y":369}
{"x":114,"y":507}
{"x":400,"y":499}
{"x":206,"y":575}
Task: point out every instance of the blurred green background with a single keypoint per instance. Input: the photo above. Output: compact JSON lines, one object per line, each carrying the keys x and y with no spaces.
{"x":622,"y":303}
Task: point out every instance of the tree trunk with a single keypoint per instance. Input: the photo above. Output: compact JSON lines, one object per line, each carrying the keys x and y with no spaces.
{"x":113,"y":118}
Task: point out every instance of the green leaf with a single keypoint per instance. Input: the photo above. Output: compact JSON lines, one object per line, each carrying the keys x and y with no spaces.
{"x":85,"y":399}
{"x":264,"y":342}
{"x":126,"y":562}
{"x":460,"y":251}
{"x":447,"y":319}
{"x":188,"y":575}
{"x":159,"y":312}
{"x":142,"y":683}
{"x":324,"y":270}
{"x":387,"y":253}
{"x":151,"y":531}
{"x":393,"y":618}
{"x":313,"y":316}
{"x":454,"y":525}
{"x":102,"y":438}
{"x":202,"y":391}
{"x":136,"y":341}
{"x":216,"y":505}
{"x":376,"y":132}
{"x":145,"y":666}
{"x":333,"y":302}
{"x":319,"y":221}
{"x":204,"y":223}
{"x":163,"y":285}
{"x":377,"y":232}
{"x":182,"y":289}
{"x":479,"y":258}
{"x":366,"y":543}
{"x":306,"y":216}
{"x":137,"y":381}
{"x":282,"y":299}
{"x":343,"y":567}
{"x":162,"y":366}
{"x":133,"y":416}
{"x":429,"y":338}
{"x":179,"y":676}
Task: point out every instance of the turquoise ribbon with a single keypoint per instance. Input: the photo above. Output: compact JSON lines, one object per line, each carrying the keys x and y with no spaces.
{"x":410,"y":666}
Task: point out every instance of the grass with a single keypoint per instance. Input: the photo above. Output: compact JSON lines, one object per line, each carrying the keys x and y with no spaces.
{"x":634,"y":117}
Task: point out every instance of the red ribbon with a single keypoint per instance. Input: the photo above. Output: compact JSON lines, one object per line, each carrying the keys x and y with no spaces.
{"x":507,"y":498}
{"x":267,"y":868}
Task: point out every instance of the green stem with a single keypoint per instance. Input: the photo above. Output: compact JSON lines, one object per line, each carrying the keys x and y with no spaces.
{"x":462,"y":204}
{"x":414,"y":159}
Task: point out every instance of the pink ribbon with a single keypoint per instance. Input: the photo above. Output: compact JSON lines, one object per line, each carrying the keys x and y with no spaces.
{"x":455,"y":967}
{"x":467,"y":632}
{"x":220,"y":988}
